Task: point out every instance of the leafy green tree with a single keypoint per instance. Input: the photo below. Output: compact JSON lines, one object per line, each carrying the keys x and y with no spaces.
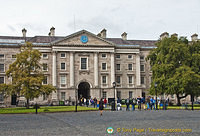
{"x":27,"y":75}
{"x":174,"y":68}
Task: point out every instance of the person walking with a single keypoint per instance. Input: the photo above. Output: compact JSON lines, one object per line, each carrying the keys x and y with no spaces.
{"x":101,"y":106}
{"x":148,"y":103}
{"x":139,"y":102}
{"x":105,"y":102}
{"x":133,"y":104}
{"x":127,"y":104}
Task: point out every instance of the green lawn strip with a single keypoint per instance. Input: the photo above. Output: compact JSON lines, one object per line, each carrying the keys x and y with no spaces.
{"x":44,"y":109}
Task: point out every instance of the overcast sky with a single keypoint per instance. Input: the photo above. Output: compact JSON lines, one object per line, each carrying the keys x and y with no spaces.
{"x":141,"y":19}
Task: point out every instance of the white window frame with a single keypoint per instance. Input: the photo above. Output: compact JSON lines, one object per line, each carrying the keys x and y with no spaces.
{"x":61,"y":66}
{"x":62,"y":96}
{"x":43,"y":56}
{"x":43,"y":67}
{"x":86,"y":63}
{"x":102,"y":66}
{"x":65,"y":79}
{"x":47,"y":81}
{"x":141,"y":69}
{"x":103,"y":54}
{"x":131,"y":67}
{"x":3,"y":67}
{"x":102,"y":79}
{"x":104,"y":94}
{"x":130,"y":55}
{"x":119,"y":67}
{"x":3,"y":56}
{"x":3,"y":79}
{"x":61,"y":55}
{"x":131,"y":79}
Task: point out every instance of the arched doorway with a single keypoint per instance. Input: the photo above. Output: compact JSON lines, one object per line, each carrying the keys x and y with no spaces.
{"x":84,"y":90}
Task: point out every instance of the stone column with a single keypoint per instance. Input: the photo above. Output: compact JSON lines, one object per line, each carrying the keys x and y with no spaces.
{"x":71,"y":69}
{"x":138,"y":82}
{"x":96,"y":70}
{"x":54,"y":75}
{"x":112,"y":72}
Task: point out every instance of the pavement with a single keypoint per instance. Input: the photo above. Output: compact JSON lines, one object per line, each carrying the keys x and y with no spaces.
{"x":138,"y":123}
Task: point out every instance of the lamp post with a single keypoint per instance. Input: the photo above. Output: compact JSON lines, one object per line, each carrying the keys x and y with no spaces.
{"x":114,"y":85}
{"x":76,"y":92}
{"x":155,"y":85}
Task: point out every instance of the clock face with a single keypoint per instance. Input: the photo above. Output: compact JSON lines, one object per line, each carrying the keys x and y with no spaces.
{"x":84,"y":39}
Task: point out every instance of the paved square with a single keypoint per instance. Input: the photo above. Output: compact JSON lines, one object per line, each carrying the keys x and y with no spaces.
{"x":92,"y":124}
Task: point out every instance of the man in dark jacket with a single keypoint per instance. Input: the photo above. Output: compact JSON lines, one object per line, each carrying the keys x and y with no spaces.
{"x":101,"y":106}
{"x":127,"y":104}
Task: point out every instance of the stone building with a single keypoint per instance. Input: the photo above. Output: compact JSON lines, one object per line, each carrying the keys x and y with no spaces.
{"x":84,"y":65}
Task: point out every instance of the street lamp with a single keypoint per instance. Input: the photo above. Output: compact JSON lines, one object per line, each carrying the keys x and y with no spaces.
{"x":155,"y":85}
{"x":114,"y":85}
{"x":76,"y":95}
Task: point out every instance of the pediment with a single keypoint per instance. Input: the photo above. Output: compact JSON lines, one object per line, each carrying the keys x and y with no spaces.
{"x":83,"y":38}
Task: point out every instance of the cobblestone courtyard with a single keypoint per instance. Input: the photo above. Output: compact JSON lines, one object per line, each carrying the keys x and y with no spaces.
{"x":92,"y":124}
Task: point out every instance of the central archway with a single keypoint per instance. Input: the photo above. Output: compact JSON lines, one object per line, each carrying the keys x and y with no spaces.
{"x":84,"y":90}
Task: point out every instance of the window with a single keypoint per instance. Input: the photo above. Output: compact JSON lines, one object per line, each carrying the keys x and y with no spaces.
{"x":63,"y":80}
{"x":103,"y":55}
{"x":63,"y":96}
{"x":142,"y":68}
{"x":62,"y":66}
{"x":104,"y":94}
{"x":104,"y":67}
{"x":118,"y":56}
{"x":130,"y":79}
{"x":1,"y":97}
{"x":104,"y":80}
{"x":130,"y":67}
{"x":83,"y":63}
{"x":1,"y":56}
{"x":62,"y":55}
{"x":118,"y":66}
{"x":45,"y":80}
{"x":1,"y":80}
{"x":44,"y":56}
{"x":45,"y":67}
{"x":1,"y":67}
{"x":129,"y":56}
{"x":118,"y":79}
{"x":130,"y":94}
{"x":142,"y":80}
{"x":14,"y":56}
{"x":119,"y":94}
{"x":141,"y":57}
{"x":45,"y":97}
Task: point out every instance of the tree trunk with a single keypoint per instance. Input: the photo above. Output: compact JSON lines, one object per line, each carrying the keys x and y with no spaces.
{"x":179,"y":99}
{"x":27,"y":103}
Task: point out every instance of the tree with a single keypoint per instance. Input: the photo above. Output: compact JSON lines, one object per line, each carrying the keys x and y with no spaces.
{"x":173,"y":67}
{"x":27,"y":75}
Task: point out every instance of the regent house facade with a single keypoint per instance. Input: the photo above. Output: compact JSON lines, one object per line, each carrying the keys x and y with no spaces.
{"x":84,"y":64}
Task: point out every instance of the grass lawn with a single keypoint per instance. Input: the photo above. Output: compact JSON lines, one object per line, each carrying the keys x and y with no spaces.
{"x":44,"y":109}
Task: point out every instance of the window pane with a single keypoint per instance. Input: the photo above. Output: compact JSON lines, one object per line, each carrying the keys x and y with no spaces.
{"x":141,"y":67}
{"x":129,"y":56}
{"x":103,"y":55}
{"x":104,"y":79}
{"x":1,"y":67}
{"x":118,"y":79}
{"x":1,"y":97}
{"x":119,"y":94}
{"x":62,"y":95}
{"x":130,"y":79}
{"x":130,"y":67}
{"x":14,"y":56}
{"x":103,"y":66}
{"x":118,"y":56}
{"x":1,"y":56}
{"x":45,"y":55}
{"x":62,"y":79}
{"x":130,"y":94}
{"x":141,"y":57}
{"x":1,"y":80}
{"x":45,"y":80}
{"x":118,"y":66}
{"x":45,"y":66}
{"x":62,"y":55}
{"x":142,"y":80}
{"x":83,"y":63}
{"x":62,"y":65}
{"x":104,"y":94}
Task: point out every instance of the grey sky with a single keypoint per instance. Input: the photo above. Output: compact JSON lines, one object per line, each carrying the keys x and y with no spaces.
{"x":141,"y":19}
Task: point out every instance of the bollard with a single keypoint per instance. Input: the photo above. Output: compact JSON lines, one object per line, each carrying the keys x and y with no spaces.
{"x":36,"y":107}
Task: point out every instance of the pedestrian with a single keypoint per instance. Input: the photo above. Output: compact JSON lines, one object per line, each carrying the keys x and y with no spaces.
{"x":151,"y":103}
{"x":101,"y":106}
{"x":143,"y":102}
{"x":95,"y":101}
{"x":154,"y":103}
{"x":87,"y":102}
{"x":139,"y":102}
{"x":127,"y":104}
{"x":148,"y":103}
{"x":105,"y":102}
{"x":133,"y":104}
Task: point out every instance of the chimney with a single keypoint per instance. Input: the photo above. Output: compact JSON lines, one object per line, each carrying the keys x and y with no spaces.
{"x":24,"y":32}
{"x":52,"y":31}
{"x":194,"y":37}
{"x":164,"y":35}
{"x":103,"y":33}
{"x":175,"y":35}
{"x":124,"y":36}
